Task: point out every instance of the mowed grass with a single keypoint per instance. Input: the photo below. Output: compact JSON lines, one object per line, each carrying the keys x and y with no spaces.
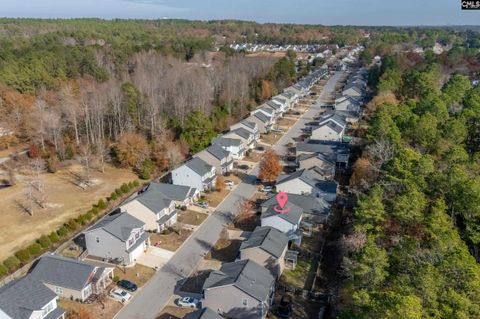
{"x":65,"y":200}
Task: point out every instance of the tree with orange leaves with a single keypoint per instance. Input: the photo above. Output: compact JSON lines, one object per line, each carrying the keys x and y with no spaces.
{"x":270,"y":167}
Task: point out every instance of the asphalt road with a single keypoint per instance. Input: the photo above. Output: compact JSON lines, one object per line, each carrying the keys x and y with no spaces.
{"x":151,"y":299}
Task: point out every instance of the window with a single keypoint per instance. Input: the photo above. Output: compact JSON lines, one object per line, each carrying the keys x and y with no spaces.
{"x":244,"y":302}
{"x":58,"y":290}
{"x":97,"y":239}
{"x":130,"y":242}
{"x":137,"y":235}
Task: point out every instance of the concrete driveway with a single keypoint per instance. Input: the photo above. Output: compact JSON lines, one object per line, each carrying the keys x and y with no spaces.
{"x":155,"y":257}
{"x":148,"y":302}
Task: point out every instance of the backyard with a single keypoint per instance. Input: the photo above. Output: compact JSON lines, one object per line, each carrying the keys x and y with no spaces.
{"x":64,"y":200}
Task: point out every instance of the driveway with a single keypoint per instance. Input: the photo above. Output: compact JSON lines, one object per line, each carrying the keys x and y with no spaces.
{"x":148,"y":302}
{"x":155,"y":257}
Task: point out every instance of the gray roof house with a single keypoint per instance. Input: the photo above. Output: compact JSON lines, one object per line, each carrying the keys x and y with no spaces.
{"x":195,"y":173}
{"x":153,"y":208}
{"x":308,"y":181}
{"x":261,"y":120}
{"x":181,"y":195}
{"x":218,"y":157}
{"x":332,"y":116}
{"x":205,"y":313}
{"x":27,"y":298}
{"x":249,"y":125}
{"x":288,"y":223}
{"x":337,"y":150}
{"x":314,"y":209}
{"x":70,"y":278}
{"x":328,"y":131}
{"x":246,"y":136}
{"x":325,"y":164}
{"x":241,"y":289}
{"x":233,"y":145}
{"x":267,"y":247}
{"x":118,"y":237}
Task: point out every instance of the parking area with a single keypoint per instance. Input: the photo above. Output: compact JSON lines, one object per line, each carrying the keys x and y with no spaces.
{"x":155,"y":257}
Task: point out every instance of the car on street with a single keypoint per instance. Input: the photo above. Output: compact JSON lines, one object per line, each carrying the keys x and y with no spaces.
{"x":126,"y":284}
{"x":120,"y":295}
{"x":285,"y":307}
{"x":187,"y":302}
{"x":202,"y":204}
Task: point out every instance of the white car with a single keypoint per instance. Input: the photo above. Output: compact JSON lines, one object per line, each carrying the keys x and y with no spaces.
{"x":267,"y":189}
{"x":120,"y":295}
{"x":229,"y":183}
{"x":187,"y":302}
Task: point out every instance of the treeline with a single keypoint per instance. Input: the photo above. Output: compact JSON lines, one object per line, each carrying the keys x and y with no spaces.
{"x":415,"y":233}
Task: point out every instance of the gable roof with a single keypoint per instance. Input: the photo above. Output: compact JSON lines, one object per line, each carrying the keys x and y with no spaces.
{"x":153,"y":199}
{"x":62,"y":271}
{"x":199,"y":166}
{"x":262,"y":117}
{"x":329,"y":160}
{"x":274,"y":105}
{"x":119,"y":225}
{"x":245,"y":275}
{"x":19,"y":298}
{"x":332,"y":116}
{"x":243,"y":133}
{"x":323,"y":147}
{"x":269,"y":239}
{"x":293,"y":216}
{"x":226,"y":141}
{"x":330,"y":124}
{"x":217,"y":152}
{"x":267,"y":109}
{"x":174,"y":192}
{"x":308,"y":204}
{"x":205,"y":313}
{"x":248,"y":124}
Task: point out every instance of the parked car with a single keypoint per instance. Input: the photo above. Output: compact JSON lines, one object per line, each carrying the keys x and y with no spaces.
{"x":187,"y":302}
{"x":267,"y":189}
{"x":260,"y":148}
{"x":120,"y":295}
{"x":128,"y":285}
{"x":202,"y":204}
{"x":276,"y":130}
{"x":229,"y":183}
{"x":285,"y":307}
{"x":244,"y":166}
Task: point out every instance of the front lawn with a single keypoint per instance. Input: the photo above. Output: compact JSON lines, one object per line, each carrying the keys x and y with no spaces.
{"x":170,"y":240}
{"x":137,"y":274}
{"x":190,"y":217}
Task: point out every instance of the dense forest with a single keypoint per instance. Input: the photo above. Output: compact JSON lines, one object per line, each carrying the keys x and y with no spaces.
{"x":412,"y":248}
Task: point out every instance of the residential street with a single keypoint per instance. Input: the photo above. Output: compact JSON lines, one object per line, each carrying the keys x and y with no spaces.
{"x":150,"y":300}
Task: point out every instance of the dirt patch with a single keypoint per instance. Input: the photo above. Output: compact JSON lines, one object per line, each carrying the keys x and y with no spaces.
{"x":271,"y":138}
{"x":64,"y":199}
{"x":215,"y":198}
{"x":171,"y":241}
{"x":96,"y":310}
{"x":286,"y":122}
{"x":191,"y":218}
{"x":171,"y":312}
{"x":224,"y":250}
{"x":138,"y":274}
{"x":253,"y":157}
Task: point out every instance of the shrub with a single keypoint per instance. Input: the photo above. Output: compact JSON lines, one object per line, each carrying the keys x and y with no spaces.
{"x":124,"y":188}
{"x":11,"y":263}
{"x":146,"y":170}
{"x":82,"y":220}
{"x":34,"y":249}
{"x":3,"y":270}
{"x":101,"y":204}
{"x":62,"y":231}
{"x":72,"y":224}
{"x":119,"y":192}
{"x":130,"y":185}
{"x":113,"y":196}
{"x":44,"y":241}
{"x":94,"y":210}
{"x":88,"y":216}
{"x":116,"y":279}
{"x":23,"y":255}
{"x":135,"y":183}
{"x":54,"y":237}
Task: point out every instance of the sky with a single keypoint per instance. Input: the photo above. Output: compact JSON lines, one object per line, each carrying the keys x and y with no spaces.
{"x":327,"y":12}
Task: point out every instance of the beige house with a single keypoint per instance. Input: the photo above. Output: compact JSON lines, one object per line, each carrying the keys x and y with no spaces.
{"x":70,"y":278}
{"x":267,"y":247}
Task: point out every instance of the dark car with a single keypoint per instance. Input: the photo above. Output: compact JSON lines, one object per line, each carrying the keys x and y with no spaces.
{"x":285,"y":307}
{"x":125,"y":284}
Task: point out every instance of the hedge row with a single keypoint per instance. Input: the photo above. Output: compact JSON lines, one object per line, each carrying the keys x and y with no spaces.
{"x":45,"y":242}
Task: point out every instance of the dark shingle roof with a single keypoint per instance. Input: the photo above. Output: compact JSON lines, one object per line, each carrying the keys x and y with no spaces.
{"x":269,"y":239}
{"x":199,"y":166}
{"x":63,"y":272}
{"x":274,"y":105}
{"x":332,"y":125}
{"x":119,"y":225}
{"x":19,"y":298}
{"x":293,"y":216}
{"x":205,"y":313}
{"x":242,"y":132}
{"x":175,"y":192}
{"x":248,"y":124}
{"x":246,"y":275}
{"x":217,"y":152}
{"x":226,"y":142}
{"x":308,"y":204}
{"x":262,"y":117}
{"x":322,"y":147}
{"x":154,"y":199}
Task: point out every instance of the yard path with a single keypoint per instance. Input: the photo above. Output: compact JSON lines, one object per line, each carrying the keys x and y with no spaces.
{"x":151,"y":299}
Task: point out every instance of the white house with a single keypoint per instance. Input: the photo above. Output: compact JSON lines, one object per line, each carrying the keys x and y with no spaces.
{"x":267,"y":111}
{"x":288,"y":223}
{"x":119,"y":236}
{"x":195,"y":173}
{"x":250,"y":126}
{"x":219,"y":158}
{"x":347,"y":103}
{"x":328,"y":131}
{"x":181,"y":195}
{"x":244,"y":135}
{"x":235,"y":146}
{"x":263,"y":121}
{"x":353,"y":90}
{"x":153,"y":208}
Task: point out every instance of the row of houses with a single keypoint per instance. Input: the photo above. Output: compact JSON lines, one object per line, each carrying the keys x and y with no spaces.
{"x":122,"y":236}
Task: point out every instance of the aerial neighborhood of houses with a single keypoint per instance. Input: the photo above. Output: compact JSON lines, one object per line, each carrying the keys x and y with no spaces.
{"x":244,"y":288}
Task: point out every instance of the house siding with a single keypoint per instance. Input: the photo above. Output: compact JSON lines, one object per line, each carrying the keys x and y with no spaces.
{"x":187,"y":177}
{"x":295,"y":186}
{"x":137,"y":210}
{"x":69,"y":293}
{"x":325,"y":133}
{"x":279,"y":223}
{"x":229,"y":301}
